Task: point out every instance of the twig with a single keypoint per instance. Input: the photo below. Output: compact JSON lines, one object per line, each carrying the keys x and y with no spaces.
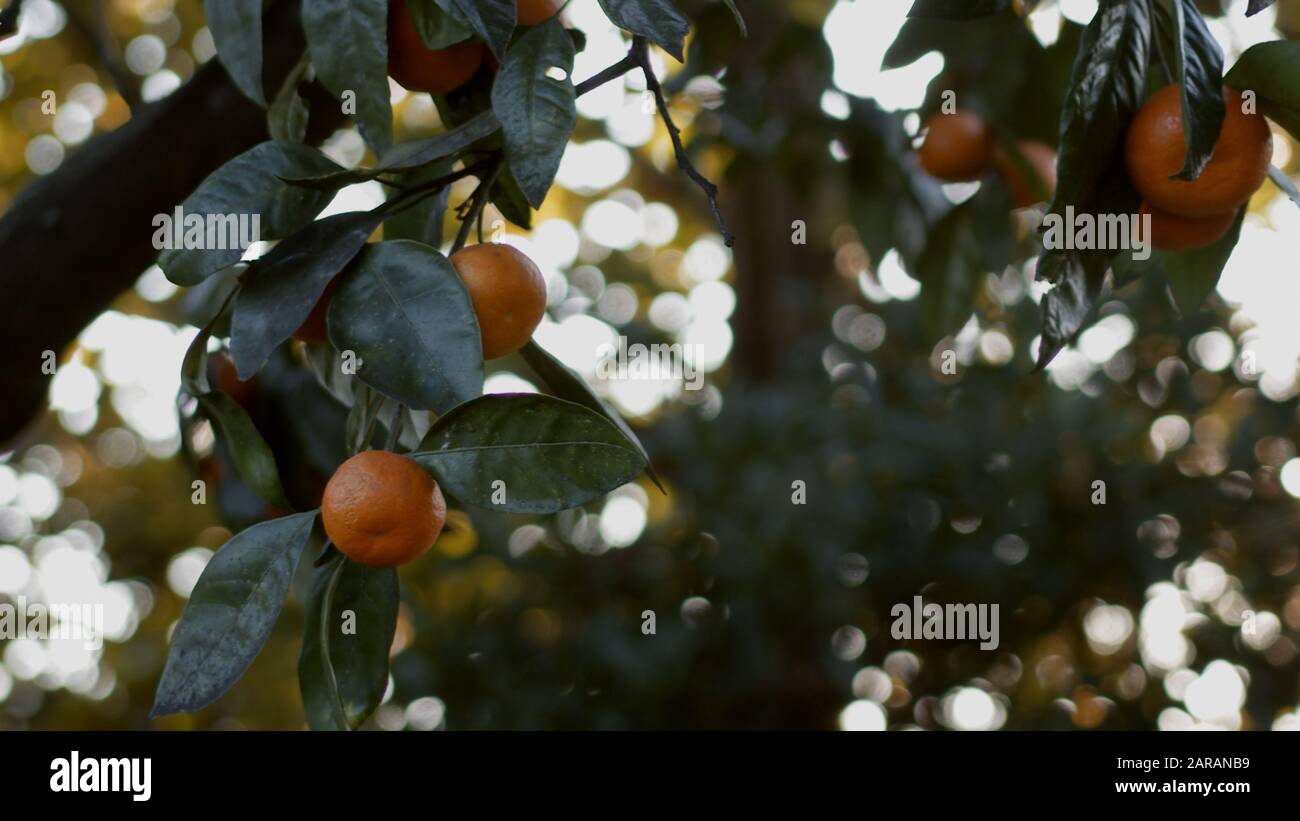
{"x":641,"y":54}
{"x":612,"y":73}
{"x":477,"y":203}
{"x":412,"y":194}
{"x":9,"y":18}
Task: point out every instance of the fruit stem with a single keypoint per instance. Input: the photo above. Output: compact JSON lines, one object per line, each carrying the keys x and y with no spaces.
{"x":477,"y":201}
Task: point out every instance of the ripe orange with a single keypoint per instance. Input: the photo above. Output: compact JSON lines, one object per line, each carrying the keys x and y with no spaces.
{"x":421,"y":69}
{"x":313,"y":328}
{"x":957,"y":146}
{"x":532,"y":12}
{"x":1154,"y":150}
{"x":1170,"y":232}
{"x":382,"y":510}
{"x":1042,"y":161}
{"x":508,"y":292}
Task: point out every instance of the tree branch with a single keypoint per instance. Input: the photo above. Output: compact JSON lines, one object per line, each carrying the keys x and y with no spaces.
{"x":477,"y":203}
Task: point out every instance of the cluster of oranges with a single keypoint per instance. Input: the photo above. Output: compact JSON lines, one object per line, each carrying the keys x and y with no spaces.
{"x":959,"y":147}
{"x":379,"y":508}
{"x":1190,"y":215}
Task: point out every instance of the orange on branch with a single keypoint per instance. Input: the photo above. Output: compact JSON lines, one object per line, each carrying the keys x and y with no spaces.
{"x":957,"y":147}
{"x":508,"y":292}
{"x":418,"y":68}
{"x":382,"y":509}
{"x":314,"y":327}
{"x":1155,"y":150}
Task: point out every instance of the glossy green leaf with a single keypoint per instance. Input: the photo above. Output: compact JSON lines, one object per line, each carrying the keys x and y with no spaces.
{"x":569,"y":385}
{"x":659,"y":21}
{"x":351,"y":618}
{"x":550,"y":454}
{"x":437,"y":27}
{"x":1079,"y":278}
{"x":492,"y":20}
{"x":1198,"y":71}
{"x":230,"y":613}
{"x":422,"y":222}
{"x":251,"y":184}
{"x":348,"y":41}
{"x":253,"y":457}
{"x":280,"y":291}
{"x":406,"y":314}
{"x":509,"y":199}
{"x":537,"y":111}
{"x":287,"y":117}
{"x":236,"y":27}
{"x":1270,"y":70}
{"x":1193,"y":275}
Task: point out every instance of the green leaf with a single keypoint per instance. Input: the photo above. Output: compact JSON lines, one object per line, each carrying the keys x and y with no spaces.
{"x":492,"y":20}
{"x":253,"y":457}
{"x":569,"y":385}
{"x":438,"y":29}
{"x":230,"y":613}
{"x":550,"y":454}
{"x":287,"y":117}
{"x":957,"y":9}
{"x":536,"y":111}
{"x":1193,"y":275}
{"x":350,"y":622}
{"x":1106,"y":89}
{"x":509,"y":199}
{"x":236,"y":27}
{"x":1079,"y":279}
{"x":949,"y":274}
{"x":194,"y":367}
{"x":1256,"y":6}
{"x":411,"y":154}
{"x":405,"y":312}
{"x":659,"y":21}
{"x":251,"y":184}
{"x":348,"y":41}
{"x":281,"y":289}
{"x":1198,"y":66}
{"x":1269,"y":70}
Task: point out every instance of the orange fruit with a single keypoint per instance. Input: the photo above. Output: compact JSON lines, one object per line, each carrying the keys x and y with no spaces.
{"x":314,"y":328}
{"x":422,"y":69}
{"x":508,"y":292}
{"x":957,"y":147}
{"x":1170,"y":232}
{"x":382,"y":509}
{"x":1042,"y":161}
{"x":1154,"y":150}
{"x":532,"y":12}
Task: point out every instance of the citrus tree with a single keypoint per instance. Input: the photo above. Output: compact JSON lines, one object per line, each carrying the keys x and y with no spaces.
{"x":394,"y":329}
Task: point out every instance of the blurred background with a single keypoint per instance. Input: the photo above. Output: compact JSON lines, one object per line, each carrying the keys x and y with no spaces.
{"x":1173,"y":605}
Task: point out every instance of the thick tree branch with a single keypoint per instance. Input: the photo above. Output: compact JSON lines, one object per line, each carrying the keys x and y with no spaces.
{"x":72,"y":241}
